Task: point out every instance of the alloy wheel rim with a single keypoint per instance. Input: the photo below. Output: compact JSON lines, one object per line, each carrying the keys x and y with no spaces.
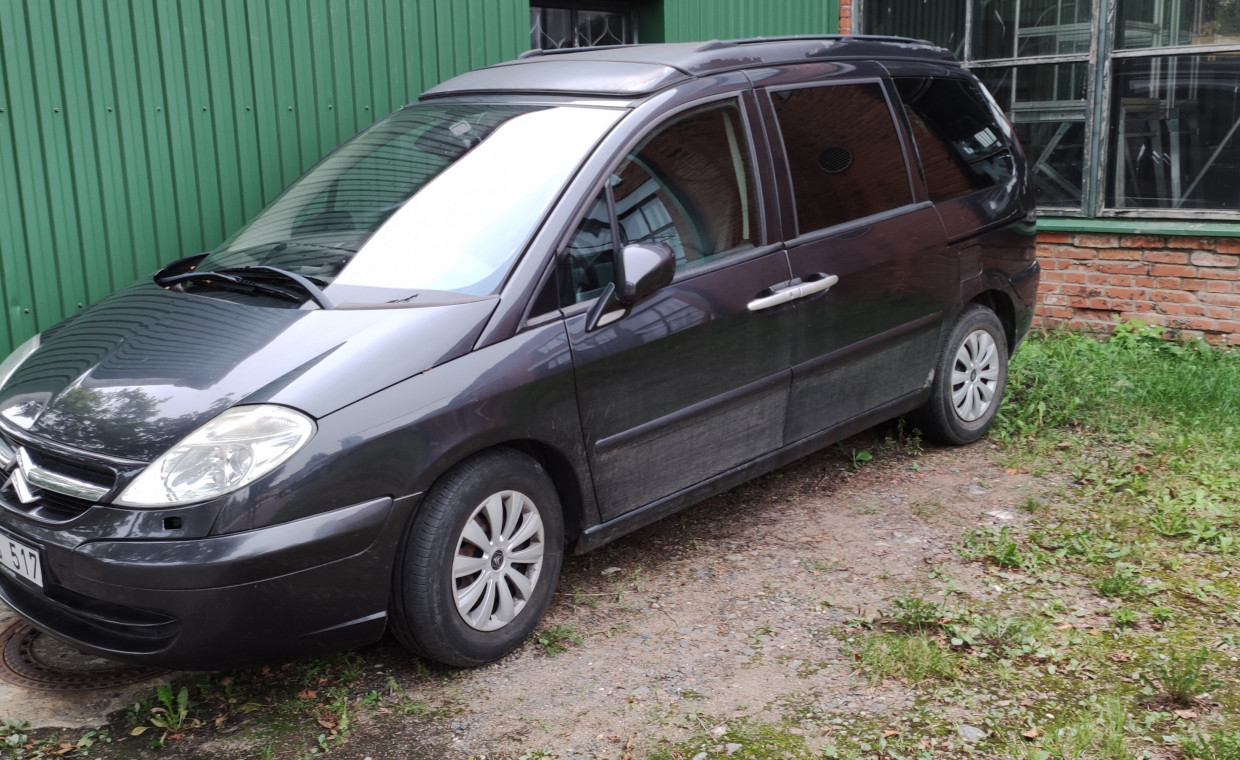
{"x":498,"y":560}
{"x":975,"y":376}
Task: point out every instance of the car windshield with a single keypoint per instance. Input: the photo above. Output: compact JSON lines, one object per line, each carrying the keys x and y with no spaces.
{"x":436,"y":197}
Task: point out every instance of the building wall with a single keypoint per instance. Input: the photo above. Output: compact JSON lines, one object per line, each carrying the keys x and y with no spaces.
{"x":136,"y":132}
{"x":688,"y":20}
{"x":1190,"y":285}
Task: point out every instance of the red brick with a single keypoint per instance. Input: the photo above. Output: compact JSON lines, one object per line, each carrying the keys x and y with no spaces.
{"x":1228,"y":246}
{"x":1166,"y":257}
{"x":1171,"y":296}
{"x":1055,"y":300}
{"x":1169,"y":270}
{"x":1122,"y":280}
{"x":1230,"y":326}
{"x":1067,"y":252}
{"x":1075,"y":277}
{"x":1191,"y":243}
{"x":1126,"y":293}
{"x":1195,"y":323}
{"x":1233,"y":340}
{"x":1221,"y":299}
{"x":1080,"y":291}
{"x":1191,"y":285}
{"x":1119,"y":267}
{"x":1141,"y":241}
{"x":1097,"y":278}
{"x":1119,"y":254}
{"x":1144,"y":282}
{"x":1220,"y":312}
{"x":1218,"y":286}
{"x":1175,"y":309}
{"x":1169,"y":283}
{"x":1097,"y":241}
{"x":1219,"y":274}
{"x":1054,"y":237}
{"x":1215,"y":260}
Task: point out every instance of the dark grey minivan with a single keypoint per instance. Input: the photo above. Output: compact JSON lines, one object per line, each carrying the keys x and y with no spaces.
{"x":551,"y":302}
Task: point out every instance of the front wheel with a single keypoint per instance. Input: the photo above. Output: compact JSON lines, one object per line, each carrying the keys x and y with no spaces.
{"x":968,"y":381}
{"x":480,"y":560}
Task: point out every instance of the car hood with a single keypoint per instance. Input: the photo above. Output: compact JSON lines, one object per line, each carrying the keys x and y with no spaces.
{"x":140,"y":370}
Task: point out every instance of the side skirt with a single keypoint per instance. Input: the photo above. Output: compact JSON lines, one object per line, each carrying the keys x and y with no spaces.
{"x":603,"y":533}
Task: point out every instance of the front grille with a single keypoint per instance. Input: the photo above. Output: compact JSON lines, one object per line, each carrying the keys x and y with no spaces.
{"x":49,"y":505}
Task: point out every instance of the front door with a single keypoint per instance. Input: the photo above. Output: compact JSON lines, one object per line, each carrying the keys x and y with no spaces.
{"x":690,"y":382}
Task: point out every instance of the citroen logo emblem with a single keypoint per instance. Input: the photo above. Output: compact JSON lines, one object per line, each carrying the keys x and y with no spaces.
{"x":17,"y":479}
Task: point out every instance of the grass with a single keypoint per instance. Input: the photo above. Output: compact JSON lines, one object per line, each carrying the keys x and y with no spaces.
{"x":1101,"y":625}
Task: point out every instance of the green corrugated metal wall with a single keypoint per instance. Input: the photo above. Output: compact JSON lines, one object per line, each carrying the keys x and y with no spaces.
{"x":721,"y":19}
{"x":134,"y":132}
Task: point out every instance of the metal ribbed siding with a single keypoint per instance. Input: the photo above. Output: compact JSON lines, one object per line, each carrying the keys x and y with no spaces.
{"x":687,"y":20}
{"x":134,"y":132}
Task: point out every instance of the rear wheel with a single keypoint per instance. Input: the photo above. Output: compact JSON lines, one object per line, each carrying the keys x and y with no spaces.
{"x":969,"y":380}
{"x":480,"y":560}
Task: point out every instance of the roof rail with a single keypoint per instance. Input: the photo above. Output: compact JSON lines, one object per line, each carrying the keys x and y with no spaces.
{"x":536,"y":52}
{"x":718,"y":44}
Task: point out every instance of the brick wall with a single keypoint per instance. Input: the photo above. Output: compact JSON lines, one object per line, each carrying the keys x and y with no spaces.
{"x":1190,"y":285}
{"x":845,"y":17}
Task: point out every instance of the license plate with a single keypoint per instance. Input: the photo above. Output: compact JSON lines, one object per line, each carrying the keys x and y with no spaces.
{"x":21,"y":559}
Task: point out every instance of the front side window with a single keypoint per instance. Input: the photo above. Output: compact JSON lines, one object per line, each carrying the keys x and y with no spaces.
{"x":690,"y":185}
{"x":432,"y":198}
{"x":844,"y":154}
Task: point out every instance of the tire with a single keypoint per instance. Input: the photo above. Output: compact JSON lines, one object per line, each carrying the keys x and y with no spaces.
{"x":465,"y":593}
{"x":969,"y":380}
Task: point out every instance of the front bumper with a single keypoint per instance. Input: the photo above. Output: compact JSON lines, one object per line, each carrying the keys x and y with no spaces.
{"x":270,"y":594}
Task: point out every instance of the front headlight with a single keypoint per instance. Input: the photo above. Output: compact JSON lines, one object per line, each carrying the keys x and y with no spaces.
{"x":229,"y":452}
{"x":23,"y":352}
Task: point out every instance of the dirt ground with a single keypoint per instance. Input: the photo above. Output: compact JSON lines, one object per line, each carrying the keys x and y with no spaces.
{"x":730,"y":611}
{"x":733,"y":611}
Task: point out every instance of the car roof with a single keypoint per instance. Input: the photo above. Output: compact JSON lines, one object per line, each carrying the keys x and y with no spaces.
{"x":637,"y":70}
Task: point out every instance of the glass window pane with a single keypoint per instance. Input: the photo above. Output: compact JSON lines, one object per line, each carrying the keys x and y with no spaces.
{"x":1174,"y":125}
{"x":602,"y":28}
{"x":1046,"y":104}
{"x":941,"y":22}
{"x":961,"y":146}
{"x":551,"y":28}
{"x":691,"y":185}
{"x":1021,"y":28}
{"x":1166,"y":23}
{"x":843,"y":153}
{"x":588,"y":258}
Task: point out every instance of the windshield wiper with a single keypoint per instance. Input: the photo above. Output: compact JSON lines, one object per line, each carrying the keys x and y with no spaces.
{"x":307,"y":284}
{"x":235,"y":276}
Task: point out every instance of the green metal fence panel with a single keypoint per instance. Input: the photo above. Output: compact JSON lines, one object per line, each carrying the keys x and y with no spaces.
{"x":135,"y":132}
{"x":688,"y":20}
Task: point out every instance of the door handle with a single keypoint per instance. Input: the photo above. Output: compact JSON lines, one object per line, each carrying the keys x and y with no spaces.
{"x":793,"y":292}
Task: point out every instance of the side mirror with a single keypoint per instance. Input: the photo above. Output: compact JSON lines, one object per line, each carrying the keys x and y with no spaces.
{"x":644,"y":268}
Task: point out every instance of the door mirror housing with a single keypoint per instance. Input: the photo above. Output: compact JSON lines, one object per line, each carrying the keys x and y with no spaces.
{"x":644,"y":268}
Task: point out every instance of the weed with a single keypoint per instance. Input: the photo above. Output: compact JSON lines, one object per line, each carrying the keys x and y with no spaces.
{"x":914,"y":658}
{"x":1161,"y":615}
{"x":1182,"y":678}
{"x":556,"y":639}
{"x":856,"y":457}
{"x":1121,"y":583}
{"x":1212,"y":746}
{"x":172,"y":715}
{"x":999,"y":548}
{"x":1124,"y":618}
{"x":916,"y":614}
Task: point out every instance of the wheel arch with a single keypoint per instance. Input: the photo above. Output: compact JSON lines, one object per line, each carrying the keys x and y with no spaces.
{"x":1001,"y":304}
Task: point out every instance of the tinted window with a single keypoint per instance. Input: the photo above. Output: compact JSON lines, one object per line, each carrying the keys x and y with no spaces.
{"x":961,"y":145}
{"x":844,"y":154}
{"x":690,"y":185}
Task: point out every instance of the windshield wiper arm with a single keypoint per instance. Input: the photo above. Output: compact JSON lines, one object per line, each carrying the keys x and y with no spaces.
{"x":235,"y":276}
{"x":305,"y":283}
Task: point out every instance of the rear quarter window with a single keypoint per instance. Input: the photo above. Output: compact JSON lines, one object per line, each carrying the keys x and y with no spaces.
{"x":961,"y":144}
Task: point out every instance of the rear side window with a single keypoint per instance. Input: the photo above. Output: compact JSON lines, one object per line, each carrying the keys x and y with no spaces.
{"x":690,"y":184}
{"x":844,"y":154}
{"x":961,"y":145}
